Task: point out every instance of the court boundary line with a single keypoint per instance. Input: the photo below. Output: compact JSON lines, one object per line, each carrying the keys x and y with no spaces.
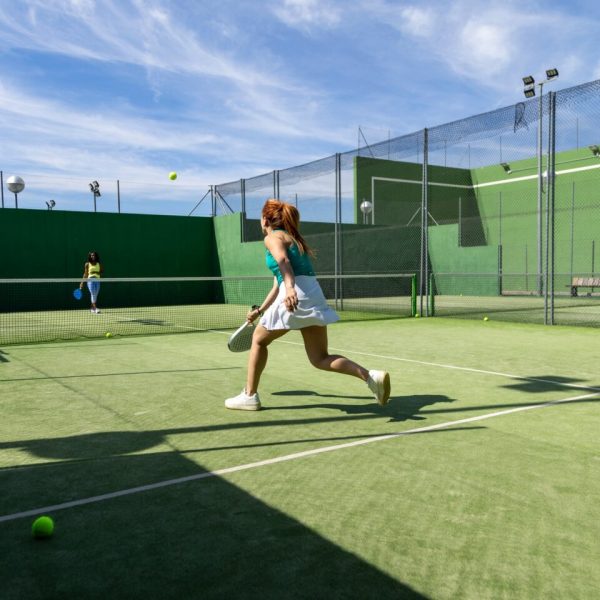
{"x":457,"y":368}
{"x":280,"y":459}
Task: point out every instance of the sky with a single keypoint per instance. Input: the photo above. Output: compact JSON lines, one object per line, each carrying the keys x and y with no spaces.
{"x":219,"y":90}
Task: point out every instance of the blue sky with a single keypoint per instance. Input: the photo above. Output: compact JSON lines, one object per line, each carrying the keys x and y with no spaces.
{"x":220,"y":90}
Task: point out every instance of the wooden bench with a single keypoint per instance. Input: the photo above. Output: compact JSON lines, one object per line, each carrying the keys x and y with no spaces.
{"x":578,"y":282}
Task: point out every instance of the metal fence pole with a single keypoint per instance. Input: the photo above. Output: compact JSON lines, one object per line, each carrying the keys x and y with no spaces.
{"x":423,"y":270}
{"x":540,"y":191}
{"x":118,"y":196}
{"x":572,"y":230}
{"x":459,"y":221}
{"x":336,"y":232}
{"x":276,"y":184}
{"x":551,"y":196}
{"x":2,"y":187}
{"x":243,"y":195}
{"x":500,"y":218}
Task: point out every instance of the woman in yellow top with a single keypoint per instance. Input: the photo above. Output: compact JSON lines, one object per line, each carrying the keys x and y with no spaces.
{"x":92,"y":271}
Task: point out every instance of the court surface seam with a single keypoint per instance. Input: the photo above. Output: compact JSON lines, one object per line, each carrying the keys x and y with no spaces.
{"x":285,"y":458}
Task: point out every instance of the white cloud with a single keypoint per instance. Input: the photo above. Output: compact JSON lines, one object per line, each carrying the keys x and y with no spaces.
{"x":308,"y":14}
{"x":417,"y":21}
{"x":490,"y":43}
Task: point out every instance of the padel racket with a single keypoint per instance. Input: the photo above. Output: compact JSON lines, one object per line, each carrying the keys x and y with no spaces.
{"x":77,"y":294}
{"x":241,"y":339}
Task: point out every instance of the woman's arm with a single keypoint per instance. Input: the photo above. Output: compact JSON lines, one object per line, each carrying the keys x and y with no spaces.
{"x":85,"y":274}
{"x":257,"y":312}
{"x":278,"y":249}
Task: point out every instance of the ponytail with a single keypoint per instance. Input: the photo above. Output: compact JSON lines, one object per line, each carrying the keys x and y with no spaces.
{"x":286,"y":216}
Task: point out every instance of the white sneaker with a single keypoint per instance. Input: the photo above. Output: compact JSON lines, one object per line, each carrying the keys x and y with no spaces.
{"x":379,"y":384}
{"x":97,"y":311}
{"x":243,"y":402}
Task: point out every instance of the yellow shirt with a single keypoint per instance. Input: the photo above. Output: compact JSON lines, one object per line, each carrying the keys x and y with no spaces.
{"x":93,"y":270}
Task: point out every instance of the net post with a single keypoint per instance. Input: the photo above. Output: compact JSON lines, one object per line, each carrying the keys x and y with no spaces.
{"x":431,"y":297}
{"x":413,"y":295}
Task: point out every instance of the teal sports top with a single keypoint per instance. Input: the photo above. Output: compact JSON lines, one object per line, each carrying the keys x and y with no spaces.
{"x":301,"y":264}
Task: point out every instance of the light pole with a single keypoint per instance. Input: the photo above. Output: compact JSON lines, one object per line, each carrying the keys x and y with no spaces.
{"x":95,"y":189}
{"x":15,"y":184}
{"x":529,"y":91}
{"x":366,"y":207}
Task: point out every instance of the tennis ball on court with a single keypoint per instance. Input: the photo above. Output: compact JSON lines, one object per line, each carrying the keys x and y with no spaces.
{"x":172,"y":176}
{"x":43,"y":527}
{"x":486,"y":319}
{"x":108,"y":334}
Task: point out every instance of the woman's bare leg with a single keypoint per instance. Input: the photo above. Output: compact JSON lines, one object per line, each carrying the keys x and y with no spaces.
{"x":315,"y":343}
{"x":258,"y":355}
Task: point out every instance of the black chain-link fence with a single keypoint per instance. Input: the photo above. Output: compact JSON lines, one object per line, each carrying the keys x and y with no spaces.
{"x":498,"y":214}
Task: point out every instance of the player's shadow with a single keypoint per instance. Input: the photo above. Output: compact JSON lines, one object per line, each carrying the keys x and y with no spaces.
{"x":3,"y":357}
{"x":398,"y":408}
{"x":535,"y":384}
{"x":202,"y":538}
{"x":106,"y":445}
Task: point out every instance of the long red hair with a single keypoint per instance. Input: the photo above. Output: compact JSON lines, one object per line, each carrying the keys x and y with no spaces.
{"x":281,"y":215}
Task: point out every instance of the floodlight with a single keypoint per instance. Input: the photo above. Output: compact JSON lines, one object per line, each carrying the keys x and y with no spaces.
{"x":552,"y":73}
{"x":528,"y":80}
{"x":506,"y":167}
{"x":595,"y":150}
{"x":529,"y":91}
{"x":15,"y":184}
{"x":366,"y":207}
{"x":95,"y":188}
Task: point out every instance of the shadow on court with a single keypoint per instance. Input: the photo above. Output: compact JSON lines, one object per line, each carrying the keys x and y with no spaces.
{"x":534,"y":384}
{"x":3,"y":357}
{"x":200,"y":539}
{"x":398,"y":408}
{"x":45,"y":376}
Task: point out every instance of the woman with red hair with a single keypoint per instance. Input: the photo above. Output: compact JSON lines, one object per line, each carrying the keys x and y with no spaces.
{"x":296,"y":301}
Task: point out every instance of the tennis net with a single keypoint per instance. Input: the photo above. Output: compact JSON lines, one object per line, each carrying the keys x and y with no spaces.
{"x":43,"y":310}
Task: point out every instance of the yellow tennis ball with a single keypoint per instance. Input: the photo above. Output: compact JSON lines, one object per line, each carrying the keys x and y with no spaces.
{"x":485,"y":318}
{"x":108,"y":334}
{"x":172,"y":176}
{"x":43,"y":527}
{"x":417,"y":316}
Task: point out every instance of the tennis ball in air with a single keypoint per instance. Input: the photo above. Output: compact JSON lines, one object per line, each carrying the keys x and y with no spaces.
{"x":417,"y":315}
{"x":172,"y":176}
{"x":43,"y":527}
{"x":108,"y":334}
{"x":486,"y":319}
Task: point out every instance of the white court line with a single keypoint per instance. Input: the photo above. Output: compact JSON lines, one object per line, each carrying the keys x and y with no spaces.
{"x":454,"y":367}
{"x":279,"y":459}
{"x":441,"y":365}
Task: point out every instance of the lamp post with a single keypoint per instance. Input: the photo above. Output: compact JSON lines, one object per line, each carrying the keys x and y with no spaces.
{"x":15,"y":184}
{"x":529,"y":91}
{"x":366,"y":207}
{"x":95,"y":189}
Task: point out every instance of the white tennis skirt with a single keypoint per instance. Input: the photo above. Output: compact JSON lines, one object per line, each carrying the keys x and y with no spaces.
{"x":312,"y":307}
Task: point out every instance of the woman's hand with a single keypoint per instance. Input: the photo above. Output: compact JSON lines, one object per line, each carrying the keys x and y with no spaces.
{"x":291,"y":299}
{"x":253,"y":314}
